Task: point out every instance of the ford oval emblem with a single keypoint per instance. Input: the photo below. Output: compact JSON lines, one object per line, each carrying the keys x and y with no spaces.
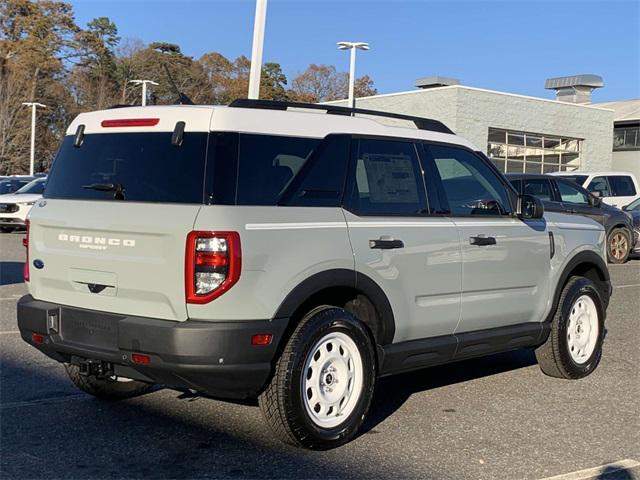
{"x":39,"y":264}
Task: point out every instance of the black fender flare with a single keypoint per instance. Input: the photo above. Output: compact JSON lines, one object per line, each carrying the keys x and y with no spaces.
{"x":348,"y":279}
{"x":586,"y":257}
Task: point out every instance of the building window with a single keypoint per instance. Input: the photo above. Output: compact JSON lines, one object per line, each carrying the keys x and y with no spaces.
{"x":532,"y":152}
{"x":626,"y":138}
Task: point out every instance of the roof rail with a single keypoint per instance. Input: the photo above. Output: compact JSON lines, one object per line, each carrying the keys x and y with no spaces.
{"x":420,"y":122}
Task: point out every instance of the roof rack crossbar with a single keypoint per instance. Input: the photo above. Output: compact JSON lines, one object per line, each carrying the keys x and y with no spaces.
{"x":420,"y":122}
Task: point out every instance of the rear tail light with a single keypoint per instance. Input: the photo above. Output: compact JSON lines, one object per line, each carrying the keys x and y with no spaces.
{"x":212,"y":264}
{"x":37,"y":338}
{"x":25,"y":242}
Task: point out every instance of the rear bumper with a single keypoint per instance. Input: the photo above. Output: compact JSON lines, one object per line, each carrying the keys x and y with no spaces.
{"x":213,"y":357}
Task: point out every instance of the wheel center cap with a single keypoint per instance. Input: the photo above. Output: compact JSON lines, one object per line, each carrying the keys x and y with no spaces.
{"x":328,"y":379}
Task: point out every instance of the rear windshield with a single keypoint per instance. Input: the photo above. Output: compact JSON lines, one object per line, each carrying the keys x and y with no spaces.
{"x":35,"y":187}
{"x":137,"y":167}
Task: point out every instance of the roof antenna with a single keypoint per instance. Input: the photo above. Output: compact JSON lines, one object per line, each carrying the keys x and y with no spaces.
{"x":181,"y":98}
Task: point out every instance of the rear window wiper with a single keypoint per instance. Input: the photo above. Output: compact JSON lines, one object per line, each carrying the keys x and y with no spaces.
{"x":117,"y":188}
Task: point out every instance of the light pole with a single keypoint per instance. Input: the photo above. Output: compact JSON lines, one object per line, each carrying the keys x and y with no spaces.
{"x":144,"y":88}
{"x":353,"y":46}
{"x":34,"y":106}
{"x":256,"y":50}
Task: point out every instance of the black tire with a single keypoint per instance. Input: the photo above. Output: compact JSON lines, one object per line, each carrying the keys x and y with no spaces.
{"x":554,"y":356}
{"x":106,"y":389}
{"x":618,"y":245}
{"x":282,"y":403}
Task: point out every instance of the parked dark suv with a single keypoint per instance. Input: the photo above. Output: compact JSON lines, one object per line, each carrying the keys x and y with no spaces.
{"x":563,"y":195}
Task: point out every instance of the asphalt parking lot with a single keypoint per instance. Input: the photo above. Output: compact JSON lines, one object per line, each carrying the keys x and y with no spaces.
{"x":492,"y":418}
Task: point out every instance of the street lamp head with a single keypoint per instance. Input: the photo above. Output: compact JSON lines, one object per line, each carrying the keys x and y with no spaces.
{"x":350,"y":45}
{"x":34,"y":104}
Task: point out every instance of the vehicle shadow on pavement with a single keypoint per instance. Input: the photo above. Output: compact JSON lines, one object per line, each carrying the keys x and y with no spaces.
{"x":152,"y":436}
{"x":392,"y":392}
{"x":11,"y":272}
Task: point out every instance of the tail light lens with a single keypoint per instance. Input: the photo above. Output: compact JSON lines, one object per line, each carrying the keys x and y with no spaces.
{"x":213,"y":263}
{"x":25,"y":242}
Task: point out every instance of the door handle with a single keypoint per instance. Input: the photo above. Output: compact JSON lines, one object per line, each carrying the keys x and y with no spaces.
{"x":482,"y":241}
{"x":386,"y":243}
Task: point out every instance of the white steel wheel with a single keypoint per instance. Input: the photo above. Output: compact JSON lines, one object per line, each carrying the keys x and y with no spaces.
{"x":333,"y":379}
{"x":583,"y":329}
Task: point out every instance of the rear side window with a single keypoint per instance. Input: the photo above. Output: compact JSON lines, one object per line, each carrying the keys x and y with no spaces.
{"x":539,"y":188}
{"x":320,"y":182}
{"x":387,"y":179}
{"x":267,"y":164}
{"x":137,"y":167}
{"x":622,"y":186}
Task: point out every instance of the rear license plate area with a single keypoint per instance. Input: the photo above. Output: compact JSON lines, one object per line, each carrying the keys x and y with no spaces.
{"x":89,"y":328}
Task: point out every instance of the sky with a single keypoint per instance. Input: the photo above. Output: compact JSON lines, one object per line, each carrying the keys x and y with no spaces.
{"x":510,"y":46}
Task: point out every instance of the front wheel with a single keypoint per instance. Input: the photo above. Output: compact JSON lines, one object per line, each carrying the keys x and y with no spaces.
{"x":323,"y":383}
{"x":618,"y":246}
{"x":574,"y":346}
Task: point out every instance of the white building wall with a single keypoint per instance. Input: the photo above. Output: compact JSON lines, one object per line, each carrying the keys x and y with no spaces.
{"x":627,"y":161}
{"x":470,"y":112}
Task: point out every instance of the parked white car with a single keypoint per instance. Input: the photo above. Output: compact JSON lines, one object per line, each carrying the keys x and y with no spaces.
{"x":15,"y":206}
{"x":614,"y":188}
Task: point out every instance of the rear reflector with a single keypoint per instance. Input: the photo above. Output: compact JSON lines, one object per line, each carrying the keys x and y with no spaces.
{"x":261,"y":339}
{"x":25,"y":242}
{"x":37,"y":338}
{"x":130,"y":122}
{"x":141,"y":359}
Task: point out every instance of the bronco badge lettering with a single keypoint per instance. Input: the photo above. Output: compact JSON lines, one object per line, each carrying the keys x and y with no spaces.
{"x":96,"y":243}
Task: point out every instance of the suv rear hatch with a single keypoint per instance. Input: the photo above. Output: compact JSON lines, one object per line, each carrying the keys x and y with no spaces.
{"x":121,"y":198}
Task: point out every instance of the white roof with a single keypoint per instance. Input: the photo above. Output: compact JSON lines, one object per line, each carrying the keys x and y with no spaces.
{"x":591,"y":174}
{"x":197,"y":118}
{"x":625,"y":110}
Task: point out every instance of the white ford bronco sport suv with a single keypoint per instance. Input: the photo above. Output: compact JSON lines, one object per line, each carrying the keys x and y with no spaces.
{"x":294,"y":253}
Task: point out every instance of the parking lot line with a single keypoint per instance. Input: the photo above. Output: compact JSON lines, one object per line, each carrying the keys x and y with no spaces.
{"x":10,"y":332}
{"x":45,"y":401}
{"x":627,"y":286}
{"x":597,"y":472}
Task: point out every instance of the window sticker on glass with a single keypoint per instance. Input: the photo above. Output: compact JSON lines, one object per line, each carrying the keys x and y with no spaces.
{"x":390,"y":178}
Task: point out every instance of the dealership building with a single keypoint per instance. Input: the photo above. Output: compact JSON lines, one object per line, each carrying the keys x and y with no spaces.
{"x":529,"y":134}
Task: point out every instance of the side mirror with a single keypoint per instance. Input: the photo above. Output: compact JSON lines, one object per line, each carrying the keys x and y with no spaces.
{"x":595,"y":201}
{"x":530,"y":207}
{"x":596,"y":194}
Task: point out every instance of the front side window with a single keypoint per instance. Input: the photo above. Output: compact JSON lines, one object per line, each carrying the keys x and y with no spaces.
{"x":539,"y":188}
{"x":469,"y":185}
{"x":622,"y":186}
{"x":387,"y":179}
{"x":600,"y":185}
{"x":571,"y":193}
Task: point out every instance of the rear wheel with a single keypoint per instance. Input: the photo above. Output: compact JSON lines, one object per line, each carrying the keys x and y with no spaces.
{"x":323,"y":383}
{"x":618,"y":245}
{"x":574,"y":346}
{"x":108,"y":388}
